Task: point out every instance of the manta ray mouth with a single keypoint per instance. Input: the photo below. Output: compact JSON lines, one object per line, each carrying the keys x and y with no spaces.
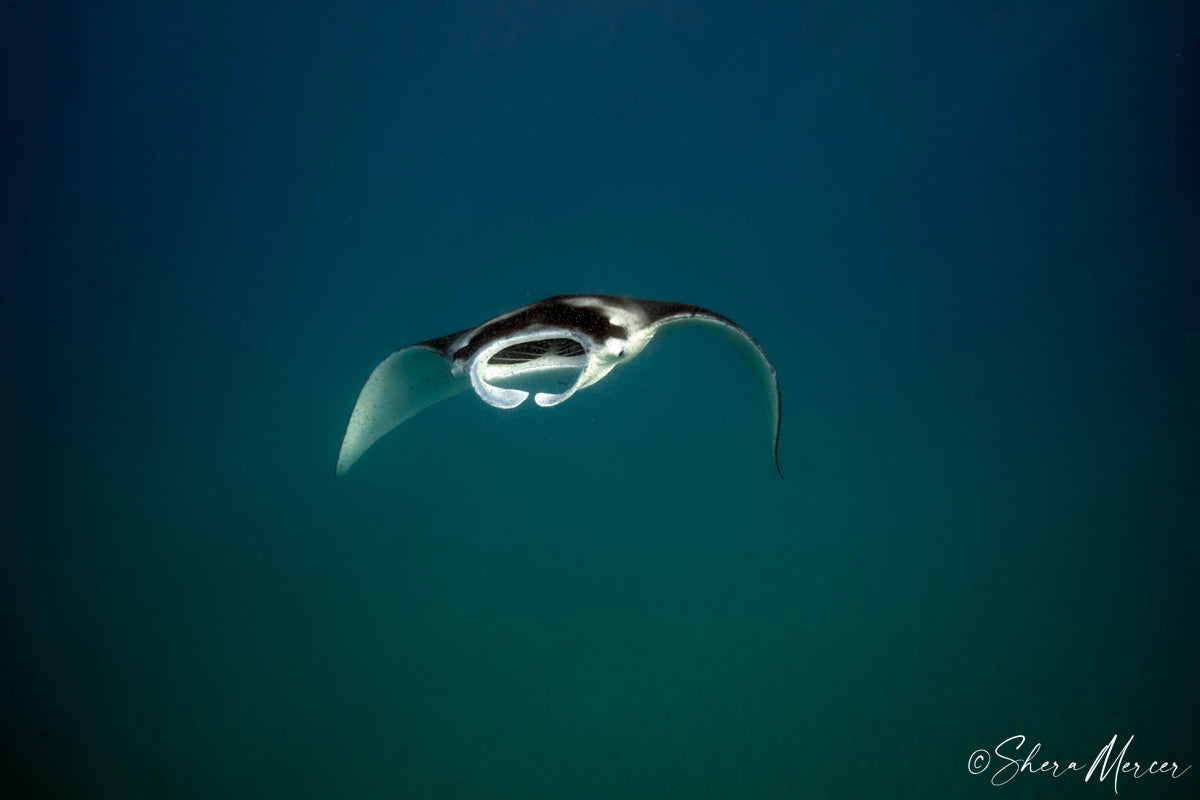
{"x":556,"y":362}
{"x":552,"y":381}
{"x":540,"y":348}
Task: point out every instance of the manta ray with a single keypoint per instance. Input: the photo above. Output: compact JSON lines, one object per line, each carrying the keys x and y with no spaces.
{"x":589,"y":334}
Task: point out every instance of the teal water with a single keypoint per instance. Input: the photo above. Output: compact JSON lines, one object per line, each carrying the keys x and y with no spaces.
{"x":965,"y":233}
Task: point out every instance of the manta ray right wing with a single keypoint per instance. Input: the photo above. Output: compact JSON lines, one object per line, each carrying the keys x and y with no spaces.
{"x":670,"y":317}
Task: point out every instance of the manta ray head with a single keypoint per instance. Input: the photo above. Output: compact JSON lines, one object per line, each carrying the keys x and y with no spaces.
{"x":538,"y":352}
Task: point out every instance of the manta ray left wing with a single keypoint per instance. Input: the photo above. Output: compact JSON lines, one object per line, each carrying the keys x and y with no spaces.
{"x":405,"y":383}
{"x":588,"y":334}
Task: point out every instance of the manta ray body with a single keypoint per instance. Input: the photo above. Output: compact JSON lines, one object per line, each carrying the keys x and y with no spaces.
{"x":587,"y":334}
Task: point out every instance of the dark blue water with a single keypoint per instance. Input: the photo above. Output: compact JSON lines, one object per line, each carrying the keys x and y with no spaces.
{"x":967,"y":234}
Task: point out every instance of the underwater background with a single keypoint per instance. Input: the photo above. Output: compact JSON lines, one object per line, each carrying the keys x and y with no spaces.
{"x":967,"y":234}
